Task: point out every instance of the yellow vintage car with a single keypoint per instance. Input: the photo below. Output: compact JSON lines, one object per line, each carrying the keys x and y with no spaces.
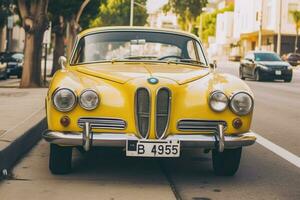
{"x":151,"y":92}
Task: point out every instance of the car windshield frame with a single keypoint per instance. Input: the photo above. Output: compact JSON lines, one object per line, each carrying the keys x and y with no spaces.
{"x":268,"y":57}
{"x":198,"y":48}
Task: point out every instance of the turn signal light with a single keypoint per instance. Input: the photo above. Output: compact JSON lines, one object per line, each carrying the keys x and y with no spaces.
{"x":65,"y":121}
{"x":237,"y":123}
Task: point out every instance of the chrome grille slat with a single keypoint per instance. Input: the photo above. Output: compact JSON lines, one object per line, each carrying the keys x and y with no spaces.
{"x":102,"y":123}
{"x":142,"y":111}
{"x":163,"y":102}
{"x":200,"y":125}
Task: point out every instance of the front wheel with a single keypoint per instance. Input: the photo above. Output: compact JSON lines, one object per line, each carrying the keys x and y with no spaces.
{"x":19,"y":75}
{"x":4,"y":76}
{"x":226,"y":163}
{"x":60,"y":160}
{"x":288,"y":79}
{"x":258,"y":76}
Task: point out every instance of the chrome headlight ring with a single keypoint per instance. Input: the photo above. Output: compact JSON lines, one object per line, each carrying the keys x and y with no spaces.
{"x":89,"y":99}
{"x":241,"y":103}
{"x":64,"y":99}
{"x":218,"y":101}
{"x":263,"y":67}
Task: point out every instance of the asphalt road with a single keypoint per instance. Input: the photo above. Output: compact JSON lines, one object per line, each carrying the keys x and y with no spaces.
{"x":108,"y":174}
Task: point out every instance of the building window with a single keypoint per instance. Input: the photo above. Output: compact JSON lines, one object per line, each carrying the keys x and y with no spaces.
{"x":292,"y":7}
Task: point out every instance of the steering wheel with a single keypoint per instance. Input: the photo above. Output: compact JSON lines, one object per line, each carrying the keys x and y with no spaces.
{"x":170,"y":56}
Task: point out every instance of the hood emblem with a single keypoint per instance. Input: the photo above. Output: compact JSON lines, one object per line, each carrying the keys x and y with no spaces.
{"x":152,"y":80}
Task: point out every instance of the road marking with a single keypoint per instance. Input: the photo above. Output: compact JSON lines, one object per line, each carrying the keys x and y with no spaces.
{"x":288,"y":156}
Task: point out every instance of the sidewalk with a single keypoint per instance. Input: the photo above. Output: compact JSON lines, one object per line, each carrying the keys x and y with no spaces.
{"x":22,"y":118}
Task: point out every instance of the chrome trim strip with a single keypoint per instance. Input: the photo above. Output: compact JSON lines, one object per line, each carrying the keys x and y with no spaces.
{"x":211,"y":127}
{"x":169,"y":112}
{"x":136,"y":114}
{"x":103,"y":123}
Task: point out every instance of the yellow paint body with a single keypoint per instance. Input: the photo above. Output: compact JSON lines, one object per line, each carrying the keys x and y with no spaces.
{"x":117,"y":82}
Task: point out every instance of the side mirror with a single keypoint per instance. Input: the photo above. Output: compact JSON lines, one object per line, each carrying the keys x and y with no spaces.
{"x":62,"y":62}
{"x":250,"y":60}
{"x":213,"y":65}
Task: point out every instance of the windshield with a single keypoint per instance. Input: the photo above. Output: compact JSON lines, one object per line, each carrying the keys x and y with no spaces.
{"x":267,"y":57}
{"x":138,"y":45}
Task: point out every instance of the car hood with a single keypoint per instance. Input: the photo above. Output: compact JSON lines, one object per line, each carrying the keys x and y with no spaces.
{"x":124,"y":72}
{"x":273,"y":63}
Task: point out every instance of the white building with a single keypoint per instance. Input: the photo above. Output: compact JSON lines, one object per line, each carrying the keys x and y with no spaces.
{"x":247,"y":20}
{"x":220,"y":44}
{"x":224,"y":28}
{"x":159,"y":19}
{"x":17,"y":35}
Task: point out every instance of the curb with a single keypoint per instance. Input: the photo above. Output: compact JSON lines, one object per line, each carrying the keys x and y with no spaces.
{"x":13,"y":152}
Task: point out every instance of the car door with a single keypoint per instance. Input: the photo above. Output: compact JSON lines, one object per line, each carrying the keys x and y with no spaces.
{"x":252,"y":65}
{"x":249,"y":64}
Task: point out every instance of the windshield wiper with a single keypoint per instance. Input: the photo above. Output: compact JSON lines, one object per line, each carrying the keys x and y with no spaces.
{"x":186,"y":60}
{"x":140,"y":57}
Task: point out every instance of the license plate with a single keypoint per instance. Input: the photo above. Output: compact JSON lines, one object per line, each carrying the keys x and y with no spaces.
{"x":153,"y":148}
{"x":278,"y":72}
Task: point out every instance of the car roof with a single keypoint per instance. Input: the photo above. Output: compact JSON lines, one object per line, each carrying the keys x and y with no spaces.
{"x":262,"y":51}
{"x":135,"y":28}
{"x":294,"y":54}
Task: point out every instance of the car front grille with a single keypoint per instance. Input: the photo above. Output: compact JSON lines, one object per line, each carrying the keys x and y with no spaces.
{"x":102,"y":123}
{"x":209,"y":126}
{"x":278,"y":67}
{"x":163,"y":101}
{"x":142,"y":111}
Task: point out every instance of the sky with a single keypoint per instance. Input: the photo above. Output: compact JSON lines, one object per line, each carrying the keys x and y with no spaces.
{"x":153,"y":5}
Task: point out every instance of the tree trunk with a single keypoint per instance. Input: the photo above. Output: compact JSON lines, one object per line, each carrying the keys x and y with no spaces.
{"x":35,"y":22}
{"x":73,"y":29}
{"x":32,"y":63}
{"x":59,"y":47}
{"x":59,"y":50}
{"x":296,"y":40}
{"x":1,"y":37}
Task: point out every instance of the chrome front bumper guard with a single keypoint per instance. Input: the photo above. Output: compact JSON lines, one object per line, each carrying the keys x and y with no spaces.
{"x":87,"y":139}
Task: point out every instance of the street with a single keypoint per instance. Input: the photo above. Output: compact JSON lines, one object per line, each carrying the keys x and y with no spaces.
{"x":107,"y":174}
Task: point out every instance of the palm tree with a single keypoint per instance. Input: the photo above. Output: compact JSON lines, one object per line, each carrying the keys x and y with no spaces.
{"x":296,"y":17}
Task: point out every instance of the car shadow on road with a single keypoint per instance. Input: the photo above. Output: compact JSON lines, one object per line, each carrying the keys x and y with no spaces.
{"x":112,"y":163}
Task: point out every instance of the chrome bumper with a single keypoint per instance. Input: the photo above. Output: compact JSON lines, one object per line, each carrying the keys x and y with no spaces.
{"x":119,"y":140}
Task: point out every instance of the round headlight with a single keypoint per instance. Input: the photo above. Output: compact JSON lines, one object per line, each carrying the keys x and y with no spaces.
{"x":241,"y":103}
{"x":64,"y":99}
{"x":218,"y":101}
{"x":89,"y":100}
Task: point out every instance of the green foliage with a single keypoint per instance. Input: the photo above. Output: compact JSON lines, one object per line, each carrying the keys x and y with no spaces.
{"x":67,"y":9}
{"x":209,"y":20}
{"x":296,"y":17}
{"x":5,"y":11}
{"x":90,"y":12}
{"x":187,"y":12}
{"x":117,"y":13}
